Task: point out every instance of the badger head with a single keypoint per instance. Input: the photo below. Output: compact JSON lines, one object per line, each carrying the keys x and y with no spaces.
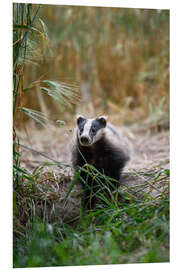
{"x":90,"y":131}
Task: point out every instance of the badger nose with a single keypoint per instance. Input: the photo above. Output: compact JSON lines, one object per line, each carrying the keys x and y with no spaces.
{"x":85,"y":140}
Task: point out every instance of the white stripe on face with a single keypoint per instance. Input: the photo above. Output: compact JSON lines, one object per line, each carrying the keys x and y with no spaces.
{"x":98,"y":135}
{"x":87,"y":128}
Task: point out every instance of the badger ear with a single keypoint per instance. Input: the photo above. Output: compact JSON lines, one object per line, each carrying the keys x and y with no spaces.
{"x":103,"y":119}
{"x":80,"y":118}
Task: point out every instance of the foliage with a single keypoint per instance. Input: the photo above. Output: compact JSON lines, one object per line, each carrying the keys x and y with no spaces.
{"x":25,"y":38}
{"x":130,"y":229}
{"x":119,"y":56}
{"x":130,"y":233}
{"x":30,"y":41}
{"x":23,"y":19}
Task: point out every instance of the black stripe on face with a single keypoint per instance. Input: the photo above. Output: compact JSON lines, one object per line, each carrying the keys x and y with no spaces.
{"x":96,"y":125}
{"x":81,"y":124}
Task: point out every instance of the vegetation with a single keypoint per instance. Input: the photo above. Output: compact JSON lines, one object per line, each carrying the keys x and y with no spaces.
{"x":121,"y":69}
{"x":133,"y":230}
{"x":121,"y":55}
{"x":130,"y":226}
{"x":27,"y":41}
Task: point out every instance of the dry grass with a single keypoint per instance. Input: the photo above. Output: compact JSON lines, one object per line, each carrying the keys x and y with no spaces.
{"x":119,"y":58}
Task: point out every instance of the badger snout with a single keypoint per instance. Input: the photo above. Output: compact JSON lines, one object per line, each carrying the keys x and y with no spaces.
{"x":85,"y":140}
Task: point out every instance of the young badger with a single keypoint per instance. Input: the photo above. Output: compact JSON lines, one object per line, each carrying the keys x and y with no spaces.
{"x":98,"y":143}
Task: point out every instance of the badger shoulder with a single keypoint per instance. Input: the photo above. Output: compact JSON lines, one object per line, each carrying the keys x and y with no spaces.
{"x":109,"y":138}
{"x":113,"y":136}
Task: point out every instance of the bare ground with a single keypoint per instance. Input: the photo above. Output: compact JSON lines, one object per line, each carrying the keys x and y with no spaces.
{"x":148,"y":148}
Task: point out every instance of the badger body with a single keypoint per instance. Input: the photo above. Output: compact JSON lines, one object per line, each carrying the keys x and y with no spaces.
{"x":98,"y":143}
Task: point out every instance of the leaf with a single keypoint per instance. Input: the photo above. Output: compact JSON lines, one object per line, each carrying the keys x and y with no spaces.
{"x":15,"y":209}
{"x":64,"y":93}
{"x":167,"y":171}
{"x":71,"y":187}
{"x":21,"y":27}
{"x":60,"y":122}
{"x":45,"y":31}
{"x":39,"y":117}
{"x":31,"y":85}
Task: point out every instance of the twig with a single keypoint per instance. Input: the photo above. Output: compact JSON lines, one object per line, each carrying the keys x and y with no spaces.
{"x":146,"y":181}
{"x":42,"y":154}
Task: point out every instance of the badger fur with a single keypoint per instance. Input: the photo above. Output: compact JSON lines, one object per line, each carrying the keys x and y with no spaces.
{"x":98,"y":143}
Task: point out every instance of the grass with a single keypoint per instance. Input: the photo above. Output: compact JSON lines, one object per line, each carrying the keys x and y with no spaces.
{"x":117,"y":58}
{"x":131,"y":234}
{"x":30,"y":40}
{"x":131,"y":230}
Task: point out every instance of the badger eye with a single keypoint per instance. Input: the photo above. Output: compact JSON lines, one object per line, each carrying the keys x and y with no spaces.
{"x":93,"y":130}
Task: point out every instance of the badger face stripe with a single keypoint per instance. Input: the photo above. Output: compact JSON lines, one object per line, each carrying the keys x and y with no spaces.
{"x":97,"y":130}
{"x":83,"y":131}
{"x":87,"y":128}
{"x":81,"y":120}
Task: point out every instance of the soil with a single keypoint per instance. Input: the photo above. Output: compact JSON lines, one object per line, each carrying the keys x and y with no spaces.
{"x":148,"y":148}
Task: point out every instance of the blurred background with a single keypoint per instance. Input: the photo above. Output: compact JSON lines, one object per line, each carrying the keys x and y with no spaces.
{"x":93,"y":61}
{"x":103,"y":60}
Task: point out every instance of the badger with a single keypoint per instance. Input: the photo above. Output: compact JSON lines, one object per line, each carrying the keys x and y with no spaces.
{"x":98,"y":143}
